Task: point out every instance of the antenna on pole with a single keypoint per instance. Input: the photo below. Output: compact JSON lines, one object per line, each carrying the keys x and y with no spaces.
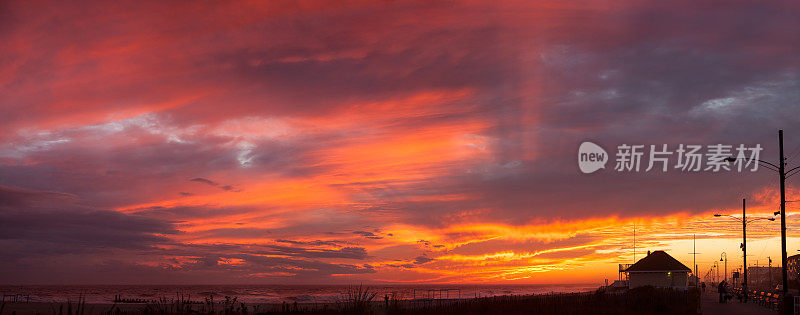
{"x":694,"y":260}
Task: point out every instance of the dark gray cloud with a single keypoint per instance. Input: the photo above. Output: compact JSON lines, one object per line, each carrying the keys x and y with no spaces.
{"x":115,"y":175}
{"x":646,"y":74}
{"x":422,"y":259}
{"x":296,"y":251}
{"x":368,"y":235}
{"x":344,"y":252}
{"x":202,"y":270}
{"x":204,"y":181}
{"x":311,"y":243}
{"x":18,"y":197}
{"x":183,"y":213}
{"x":213,"y":183}
{"x":44,"y":223}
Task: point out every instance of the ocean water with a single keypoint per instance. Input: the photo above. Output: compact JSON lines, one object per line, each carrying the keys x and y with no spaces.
{"x":271,"y":293}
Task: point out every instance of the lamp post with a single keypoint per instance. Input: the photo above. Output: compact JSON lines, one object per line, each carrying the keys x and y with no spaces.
{"x":782,"y":175}
{"x":726,"y":265}
{"x":743,"y":245}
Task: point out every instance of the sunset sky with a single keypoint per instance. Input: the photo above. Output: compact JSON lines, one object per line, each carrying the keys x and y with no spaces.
{"x":305,"y":142}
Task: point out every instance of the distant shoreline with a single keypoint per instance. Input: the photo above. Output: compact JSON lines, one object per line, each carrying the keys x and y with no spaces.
{"x":105,"y":307}
{"x":270,"y":294}
{"x":644,"y":299}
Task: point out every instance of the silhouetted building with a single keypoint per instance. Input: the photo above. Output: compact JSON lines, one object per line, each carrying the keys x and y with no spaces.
{"x":763,"y":277}
{"x":793,"y":266}
{"x":793,"y":270}
{"x":658,"y":269}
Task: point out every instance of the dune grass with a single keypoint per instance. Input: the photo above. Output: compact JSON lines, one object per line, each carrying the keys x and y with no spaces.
{"x":358,"y":300}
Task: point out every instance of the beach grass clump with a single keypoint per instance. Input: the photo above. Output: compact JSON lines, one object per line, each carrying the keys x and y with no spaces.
{"x":358,"y":300}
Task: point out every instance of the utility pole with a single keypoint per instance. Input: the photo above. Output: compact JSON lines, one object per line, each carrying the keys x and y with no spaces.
{"x":743,"y":245}
{"x":726,"y":267}
{"x":744,"y":249}
{"x":781,"y":169}
{"x":781,"y":164}
{"x":694,"y":260}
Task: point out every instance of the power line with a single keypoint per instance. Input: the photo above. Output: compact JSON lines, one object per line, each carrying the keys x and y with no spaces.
{"x":794,"y":153}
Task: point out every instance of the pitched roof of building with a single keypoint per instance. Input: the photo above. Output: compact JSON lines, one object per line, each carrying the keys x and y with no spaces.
{"x":658,"y":261}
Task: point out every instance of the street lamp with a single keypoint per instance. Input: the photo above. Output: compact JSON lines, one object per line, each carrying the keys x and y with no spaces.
{"x":782,"y":175}
{"x":726,"y":264}
{"x":743,"y":245}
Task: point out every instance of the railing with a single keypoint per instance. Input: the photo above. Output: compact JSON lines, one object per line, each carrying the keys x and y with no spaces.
{"x":766,"y":299}
{"x":16,"y":298}
{"x":435,"y":296}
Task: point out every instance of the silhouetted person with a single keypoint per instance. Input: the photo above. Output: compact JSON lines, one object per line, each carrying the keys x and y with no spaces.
{"x":728,"y":294}
{"x":703,"y":287}
{"x":721,"y":291}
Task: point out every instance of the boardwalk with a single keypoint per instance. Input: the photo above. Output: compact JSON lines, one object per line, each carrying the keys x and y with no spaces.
{"x":711,"y":306}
